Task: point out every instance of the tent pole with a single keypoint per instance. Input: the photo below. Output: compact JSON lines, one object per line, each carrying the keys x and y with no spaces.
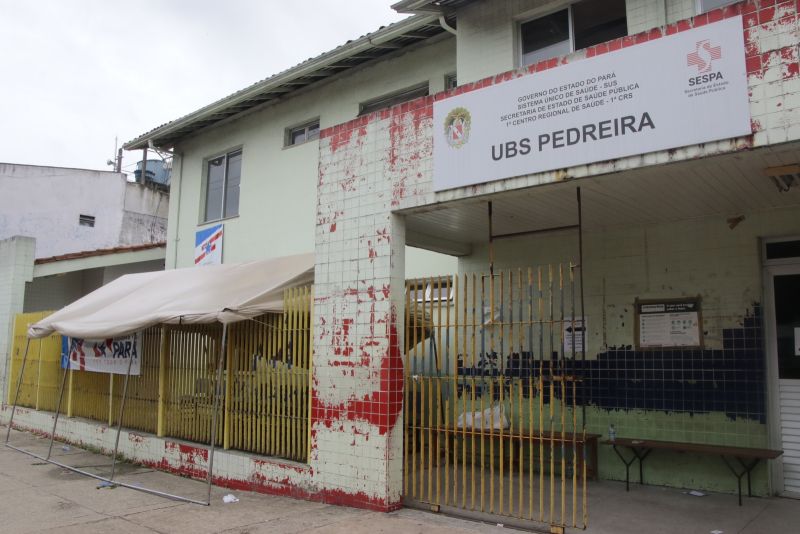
{"x":121,"y":413}
{"x":98,"y":477}
{"x":58,"y":409}
{"x":217,"y":381}
{"x":19,"y":386}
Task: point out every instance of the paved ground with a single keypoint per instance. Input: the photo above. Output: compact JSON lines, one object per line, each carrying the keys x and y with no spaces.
{"x":38,"y":497}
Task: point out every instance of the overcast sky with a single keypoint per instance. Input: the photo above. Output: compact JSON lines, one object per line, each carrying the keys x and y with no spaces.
{"x":77,"y":73}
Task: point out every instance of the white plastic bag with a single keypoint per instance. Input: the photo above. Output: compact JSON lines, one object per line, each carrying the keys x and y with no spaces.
{"x":492,"y":418}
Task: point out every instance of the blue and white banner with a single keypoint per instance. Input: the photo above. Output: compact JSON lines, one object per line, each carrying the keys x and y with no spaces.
{"x":208,"y":246}
{"x":103,"y":355}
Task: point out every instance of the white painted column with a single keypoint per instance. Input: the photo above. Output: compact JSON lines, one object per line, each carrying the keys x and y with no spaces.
{"x":16,"y":268}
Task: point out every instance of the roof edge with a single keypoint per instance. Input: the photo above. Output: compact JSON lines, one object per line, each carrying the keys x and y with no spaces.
{"x":416,"y":6}
{"x":99,"y":252}
{"x":371,"y":39}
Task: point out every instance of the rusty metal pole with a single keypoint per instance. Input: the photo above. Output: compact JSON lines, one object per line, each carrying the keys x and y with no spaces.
{"x":58,"y":409}
{"x":19,"y":386}
{"x":216,"y":407}
{"x":580,"y":274}
{"x":143,"y":174}
{"x":491,"y":244}
{"x":121,"y":414}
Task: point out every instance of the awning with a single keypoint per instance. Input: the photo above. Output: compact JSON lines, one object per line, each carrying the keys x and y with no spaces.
{"x":213,"y":293}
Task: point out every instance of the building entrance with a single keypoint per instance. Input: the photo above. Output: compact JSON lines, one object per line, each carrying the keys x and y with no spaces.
{"x":783,"y":331}
{"x":493,"y":425}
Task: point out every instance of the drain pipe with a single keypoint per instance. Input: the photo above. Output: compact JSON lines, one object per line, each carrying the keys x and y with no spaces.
{"x":443,"y":23}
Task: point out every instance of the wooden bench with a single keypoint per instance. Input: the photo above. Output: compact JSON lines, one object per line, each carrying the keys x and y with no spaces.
{"x":556,"y":439}
{"x":747,"y":457}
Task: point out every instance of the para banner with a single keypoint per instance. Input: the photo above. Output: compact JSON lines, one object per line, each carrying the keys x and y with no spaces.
{"x":103,"y":355}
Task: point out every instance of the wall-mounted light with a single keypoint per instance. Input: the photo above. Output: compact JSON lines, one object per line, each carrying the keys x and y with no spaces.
{"x":784,"y":177}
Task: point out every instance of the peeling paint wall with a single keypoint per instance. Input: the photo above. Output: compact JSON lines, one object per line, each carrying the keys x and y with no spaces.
{"x":773,"y":67}
{"x":375,"y":165}
{"x":368,"y":169}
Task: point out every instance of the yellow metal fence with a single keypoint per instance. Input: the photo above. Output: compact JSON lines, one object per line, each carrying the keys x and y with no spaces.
{"x":42,"y":378}
{"x":491,"y":424}
{"x":264,"y":393}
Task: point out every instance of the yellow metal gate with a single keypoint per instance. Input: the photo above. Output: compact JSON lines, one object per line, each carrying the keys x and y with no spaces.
{"x":265,"y":390}
{"x":492,"y":428}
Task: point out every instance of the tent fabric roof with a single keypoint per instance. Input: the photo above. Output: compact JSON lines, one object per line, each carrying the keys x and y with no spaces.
{"x":214,"y":293}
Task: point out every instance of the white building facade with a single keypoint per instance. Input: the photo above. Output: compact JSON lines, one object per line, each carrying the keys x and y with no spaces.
{"x":343,"y":154}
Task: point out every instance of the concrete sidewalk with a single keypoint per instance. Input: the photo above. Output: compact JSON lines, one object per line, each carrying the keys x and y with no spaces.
{"x":39,"y":497}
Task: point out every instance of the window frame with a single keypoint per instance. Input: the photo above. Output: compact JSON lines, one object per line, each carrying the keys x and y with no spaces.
{"x":539,"y":15}
{"x":423,"y":290}
{"x":545,"y":11}
{"x":766,"y":261}
{"x":287,"y":134}
{"x":699,"y":6}
{"x":392,"y":99}
{"x":204,"y":196}
{"x":450,"y":81}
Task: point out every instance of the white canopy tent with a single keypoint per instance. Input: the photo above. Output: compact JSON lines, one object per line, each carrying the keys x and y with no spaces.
{"x":215,"y":293}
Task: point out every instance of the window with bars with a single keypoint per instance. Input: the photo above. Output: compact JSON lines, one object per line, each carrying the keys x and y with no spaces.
{"x":223,"y":176}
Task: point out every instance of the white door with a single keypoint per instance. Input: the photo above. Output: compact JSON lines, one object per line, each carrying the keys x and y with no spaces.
{"x":783,"y":331}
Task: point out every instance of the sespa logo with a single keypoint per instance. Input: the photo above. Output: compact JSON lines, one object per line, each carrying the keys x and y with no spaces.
{"x":703,"y":58}
{"x":456,"y":127}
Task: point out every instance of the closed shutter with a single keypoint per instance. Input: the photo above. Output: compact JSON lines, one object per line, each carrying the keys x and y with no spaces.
{"x":790,"y":433}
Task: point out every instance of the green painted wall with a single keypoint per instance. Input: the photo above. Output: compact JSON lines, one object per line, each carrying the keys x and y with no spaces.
{"x":277,"y":210}
{"x":699,"y":257}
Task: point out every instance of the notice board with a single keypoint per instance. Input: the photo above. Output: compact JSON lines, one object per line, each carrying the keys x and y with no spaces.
{"x":669,"y":323}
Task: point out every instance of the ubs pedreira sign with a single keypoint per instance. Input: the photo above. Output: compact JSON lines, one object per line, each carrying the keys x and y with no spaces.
{"x":679,"y":90}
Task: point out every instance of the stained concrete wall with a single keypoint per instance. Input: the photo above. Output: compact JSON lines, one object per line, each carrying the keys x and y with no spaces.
{"x":46,"y":203}
{"x":145,"y":212}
